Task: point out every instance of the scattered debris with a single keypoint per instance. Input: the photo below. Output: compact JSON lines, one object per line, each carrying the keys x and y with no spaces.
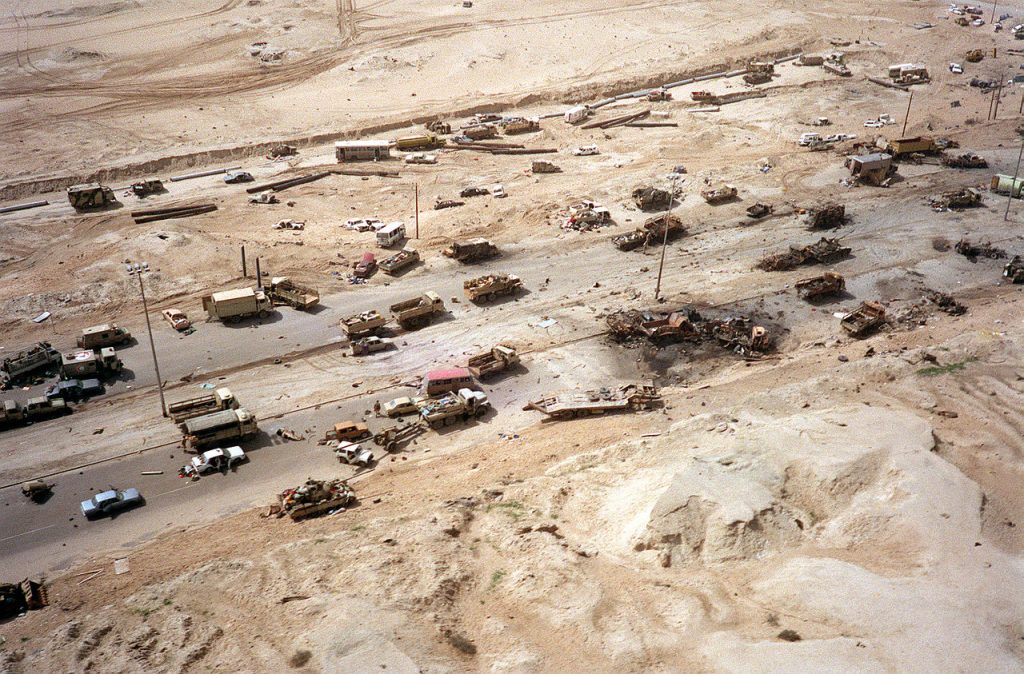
{"x":738,"y":334}
{"x":973,"y":251}
{"x":826,"y":216}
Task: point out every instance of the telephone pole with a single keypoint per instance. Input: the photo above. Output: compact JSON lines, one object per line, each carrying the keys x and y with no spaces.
{"x":417,"y":193}
{"x":906,"y":117}
{"x":137,"y":270}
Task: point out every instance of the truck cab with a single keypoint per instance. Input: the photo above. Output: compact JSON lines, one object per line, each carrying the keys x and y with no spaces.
{"x":476,"y":401}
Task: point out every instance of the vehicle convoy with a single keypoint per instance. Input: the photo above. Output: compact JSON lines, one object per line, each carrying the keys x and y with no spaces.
{"x":283,"y":290}
{"x":217,"y":427}
{"x":390,"y":438}
{"x":487,"y":287}
{"x":419,"y":311}
{"x":111,"y":501}
{"x":99,"y":336}
{"x":1014,"y":270}
{"x":36,"y":490}
{"x":367,"y":345}
{"x":80,"y":364}
{"x":314,"y":497}
{"x":90,"y":195}
{"x":609,"y":399}
{"x":829,"y":283}
{"x":230,"y":306}
{"x":497,"y":359}
{"x":472,"y":250}
{"x":362,"y":325}
{"x":215,"y":401}
{"x":353,"y":453}
{"x":13,"y":413}
{"x":400,"y":260}
{"x":864,"y":319}
{"x":18,"y":598}
{"x":38,"y":359}
{"x":212,"y":460}
{"x":454,"y":407}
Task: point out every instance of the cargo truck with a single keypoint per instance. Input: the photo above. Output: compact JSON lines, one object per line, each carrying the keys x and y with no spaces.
{"x":234,"y":305}
{"x":495,"y":360}
{"x":422,"y":142}
{"x":400,"y":260}
{"x":82,"y":364}
{"x":283,"y":290}
{"x":363,"y":325}
{"x":90,"y":195}
{"x":471,"y":251}
{"x":39,"y":359}
{"x":218,"y":427}
{"x":485,"y":288}
{"x":99,"y":336}
{"x":215,"y":401}
{"x":38,"y":409}
{"x":454,"y":407}
{"x":419,"y":311}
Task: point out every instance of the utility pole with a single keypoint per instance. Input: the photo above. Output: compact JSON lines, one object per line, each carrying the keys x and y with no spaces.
{"x":137,"y":270}
{"x":1009,"y":199}
{"x":993,"y":19}
{"x":245,"y":272}
{"x":906,"y":117}
{"x":999,"y":95}
{"x":417,"y":193}
{"x":661,"y":266}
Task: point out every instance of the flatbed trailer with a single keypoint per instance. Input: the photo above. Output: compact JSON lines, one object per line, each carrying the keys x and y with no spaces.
{"x":573,"y":404}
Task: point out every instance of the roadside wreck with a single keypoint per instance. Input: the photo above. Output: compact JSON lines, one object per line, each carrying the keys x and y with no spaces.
{"x":824,"y":251}
{"x":738,"y":334}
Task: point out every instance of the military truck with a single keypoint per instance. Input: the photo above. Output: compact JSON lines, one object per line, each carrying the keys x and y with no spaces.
{"x":652,"y":232}
{"x":472,"y":250}
{"x":864,"y":319}
{"x":422,"y":141}
{"x":363,"y":325}
{"x":38,"y":359}
{"x":487,"y":287}
{"x":17,"y":598}
{"x":314,"y":497}
{"x":81,"y":364}
{"x":520,"y":125}
{"x":143,"y":188}
{"x":829,"y":283}
{"x":541,"y":166}
{"x":492,"y":361}
{"x":573,"y":404}
{"x":11,"y":414}
{"x":283,"y":290}
{"x":106,"y":334}
{"x":454,"y":407}
{"x":652,"y":199}
{"x":42,"y":408}
{"x":418,"y":311}
{"x":233,"y":305}
{"x":215,"y":401}
{"x":217,"y":427}
{"x":399,"y":261}
{"x":718,"y":195}
{"x":90,"y":195}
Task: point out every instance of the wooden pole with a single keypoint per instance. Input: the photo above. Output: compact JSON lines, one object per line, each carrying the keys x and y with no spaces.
{"x":906,"y":117}
{"x":661,"y":267}
{"x":999,"y":95}
{"x":245,"y":271}
{"x":417,"y":192}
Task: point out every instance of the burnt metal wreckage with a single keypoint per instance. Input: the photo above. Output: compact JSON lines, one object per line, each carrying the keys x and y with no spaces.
{"x":824,"y":251}
{"x":738,"y":334}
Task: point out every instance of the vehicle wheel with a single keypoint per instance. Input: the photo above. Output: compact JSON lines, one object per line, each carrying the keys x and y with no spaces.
{"x":263,"y":314}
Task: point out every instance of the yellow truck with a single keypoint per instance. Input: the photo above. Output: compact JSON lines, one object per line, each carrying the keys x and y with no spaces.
{"x":424,"y":141}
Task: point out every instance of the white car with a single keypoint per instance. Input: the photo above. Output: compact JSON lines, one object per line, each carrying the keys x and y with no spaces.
{"x":873,"y":124}
{"x":364,"y":224}
{"x":353,"y":453}
{"x":289,"y":224}
{"x":211,"y":460}
{"x":808,"y":138}
{"x":956,"y":69}
{"x":585,"y":151}
{"x":420,"y":158}
{"x":498,"y":192}
{"x":401,"y":406}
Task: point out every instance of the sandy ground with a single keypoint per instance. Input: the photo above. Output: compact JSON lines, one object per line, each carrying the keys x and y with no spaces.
{"x":804,"y":512}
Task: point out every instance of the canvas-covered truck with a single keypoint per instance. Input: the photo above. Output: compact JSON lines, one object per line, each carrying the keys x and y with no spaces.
{"x":471,"y":251}
{"x":282,"y":290}
{"x":401,"y":260}
{"x":363,"y":325}
{"x":106,"y":334}
{"x":218,"y":428}
{"x":487,"y":287}
{"x":90,"y":195}
{"x":454,"y":407}
{"x":40,"y":358}
{"x":215,"y":401}
{"x":418,"y":311}
{"x":829,"y":283}
{"x":492,"y":361}
{"x":314,"y":497}
{"x":866,"y":318}
{"x":571,"y":404}
{"x":234,"y":305}
{"x":86,"y":363}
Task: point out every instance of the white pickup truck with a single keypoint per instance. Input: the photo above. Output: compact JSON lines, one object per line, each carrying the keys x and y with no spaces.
{"x":353,"y":453}
{"x":212,"y":460}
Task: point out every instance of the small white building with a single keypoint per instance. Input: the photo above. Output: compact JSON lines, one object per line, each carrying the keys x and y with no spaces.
{"x":362,"y":150}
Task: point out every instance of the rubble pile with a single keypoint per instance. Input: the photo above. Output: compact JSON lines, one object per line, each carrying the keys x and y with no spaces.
{"x":738,"y":334}
{"x":973,"y":251}
{"x":824,"y":251}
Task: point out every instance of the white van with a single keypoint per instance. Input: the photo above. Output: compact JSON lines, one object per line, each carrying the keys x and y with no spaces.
{"x":391,"y":234}
{"x":577,"y":113}
{"x":808,"y":138}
